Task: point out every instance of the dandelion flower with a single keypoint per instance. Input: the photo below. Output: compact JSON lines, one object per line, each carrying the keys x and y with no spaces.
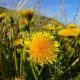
{"x":42,"y":48}
{"x":26,"y":13}
{"x":71,"y":26}
{"x":3,"y":15}
{"x":18,"y":78}
{"x":23,"y":21}
{"x":69,"y":32}
{"x":18,"y":42}
{"x":23,"y":24}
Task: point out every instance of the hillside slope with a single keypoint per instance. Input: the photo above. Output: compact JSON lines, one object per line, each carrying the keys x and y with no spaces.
{"x":40,"y":21}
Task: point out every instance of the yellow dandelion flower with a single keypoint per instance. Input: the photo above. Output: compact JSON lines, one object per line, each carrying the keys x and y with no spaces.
{"x":22,"y":12}
{"x":23,"y":21}
{"x":42,"y":48}
{"x":27,"y":42}
{"x":24,"y":24}
{"x":3,"y":15}
{"x":69,"y":32}
{"x":78,"y":30}
{"x":18,"y":78}
{"x":26,"y":13}
{"x":18,"y":42}
{"x":71,"y":26}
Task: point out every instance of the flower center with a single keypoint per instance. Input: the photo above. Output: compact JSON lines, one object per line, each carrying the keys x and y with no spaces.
{"x":41,"y":45}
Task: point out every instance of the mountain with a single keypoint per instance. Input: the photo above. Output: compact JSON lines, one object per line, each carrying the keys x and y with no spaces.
{"x":2,"y":9}
{"x":43,"y":20}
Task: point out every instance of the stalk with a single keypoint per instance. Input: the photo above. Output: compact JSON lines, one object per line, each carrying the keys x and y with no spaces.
{"x":33,"y":71}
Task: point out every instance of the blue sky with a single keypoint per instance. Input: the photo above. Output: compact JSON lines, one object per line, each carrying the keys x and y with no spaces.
{"x":63,"y":10}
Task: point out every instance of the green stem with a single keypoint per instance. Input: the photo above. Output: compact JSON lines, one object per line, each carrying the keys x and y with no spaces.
{"x":22,"y":60}
{"x":21,"y":63}
{"x":16,"y":65}
{"x":74,"y":63}
{"x":39,"y":72}
{"x":23,"y":54}
{"x":55,"y":71}
{"x":35,"y":76}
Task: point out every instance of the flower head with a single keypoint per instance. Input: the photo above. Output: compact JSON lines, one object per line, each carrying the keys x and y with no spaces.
{"x":71,"y":25}
{"x":26,"y":13}
{"x":42,"y":48}
{"x":23,"y":21}
{"x":3,"y":15}
{"x":18,"y":78}
{"x":69,"y":32}
{"x":18,"y":42}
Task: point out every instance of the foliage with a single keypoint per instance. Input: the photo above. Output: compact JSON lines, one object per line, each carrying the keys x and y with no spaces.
{"x":51,"y":52}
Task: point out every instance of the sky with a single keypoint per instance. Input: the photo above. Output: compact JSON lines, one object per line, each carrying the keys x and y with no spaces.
{"x":66,"y":11}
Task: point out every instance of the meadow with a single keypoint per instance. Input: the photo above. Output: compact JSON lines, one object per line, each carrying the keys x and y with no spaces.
{"x":34,"y":47}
